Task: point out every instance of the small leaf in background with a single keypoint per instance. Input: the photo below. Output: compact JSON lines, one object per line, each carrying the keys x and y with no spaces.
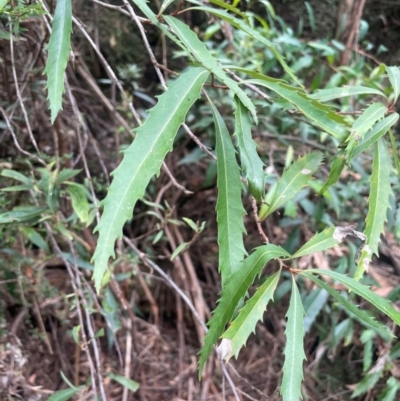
{"x":125,"y":381}
{"x":394,"y":77}
{"x":17,"y":176}
{"x":292,"y":180}
{"x":179,"y":250}
{"x":313,"y":304}
{"x":338,"y":163}
{"x":22,"y":214}
{"x":366,"y":338}
{"x":64,"y":230}
{"x":378,"y":204}
{"x":142,"y":160}
{"x":253,"y":311}
{"x":79,"y":201}
{"x":230,"y":210}
{"x":353,"y":310}
{"x":65,"y":395}
{"x":58,"y":54}
{"x":75,"y":332}
{"x":367,"y":383}
{"x":362,"y":125}
{"x":250,"y":161}
{"x":34,"y":237}
{"x":389,"y":393}
{"x":233,"y":291}
{"x":191,"y":224}
{"x":363,"y":291}
{"x":65,"y":175}
{"x":311,"y":18}
{"x":294,"y":348}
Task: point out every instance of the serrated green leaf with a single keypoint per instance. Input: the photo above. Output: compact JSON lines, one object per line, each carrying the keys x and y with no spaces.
{"x":325,"y":95}
{"x":321,"y":115}
{"x":79,"y":201}
{"x":250,"y":161}
{"x":200,"y":52}
{"x":390,"y":391}
{"x":379,"y":129}
{"x":142,"y":160}
{"x":125,"y":381}
{"x":65,"y":395}
{"x":294,"y":348}
{"x":378,"y":205}
{"x":58,"y":54}
{"x":338,"y":163}
{"x":394,"y":78}
{"x":245,"y":324}
{"x":17,"y":176}
{"x":34,"y":237}
{"x":234,"y":289}
{"x":354,"y":311}
{"x":239,"y":24}
{"x":319,"y":242}
{"x":21,"y":214}
{"x":380,"y":303}
{"x":362,"y":125}
{"x":229,"y":206}
{"x":292,"y":180}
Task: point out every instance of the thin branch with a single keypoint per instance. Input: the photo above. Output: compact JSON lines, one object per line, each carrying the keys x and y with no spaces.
{"x":24,"y":112}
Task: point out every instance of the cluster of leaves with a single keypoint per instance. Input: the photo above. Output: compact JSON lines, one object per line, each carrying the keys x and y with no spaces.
{"x":363,"y":130}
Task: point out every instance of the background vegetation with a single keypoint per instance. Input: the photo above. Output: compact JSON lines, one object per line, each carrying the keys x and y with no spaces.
{"x":317,"y":183}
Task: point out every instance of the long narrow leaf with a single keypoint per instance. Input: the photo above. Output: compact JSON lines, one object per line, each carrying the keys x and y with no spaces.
{"x":294,"y":349}
{"x":378,"y":130}
{"x":229,"y":207}
{"x":378,"y":204}
{"x":249,"y":159}
{"x":239,"y":24}
{"x":292,"y":180}
{"x":325,"y":95}
{"x":250,"y":314}
{"x":321,"y":115}
{"x":235,"y":288}
{"x":200,"y":52}
{"x":142,"y":160}
{"x":58,"y":54}
{"x":380,"y":303}
{"x":148,"y":12}
{"x":363,"y":317}
{"x":362,"y":125}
